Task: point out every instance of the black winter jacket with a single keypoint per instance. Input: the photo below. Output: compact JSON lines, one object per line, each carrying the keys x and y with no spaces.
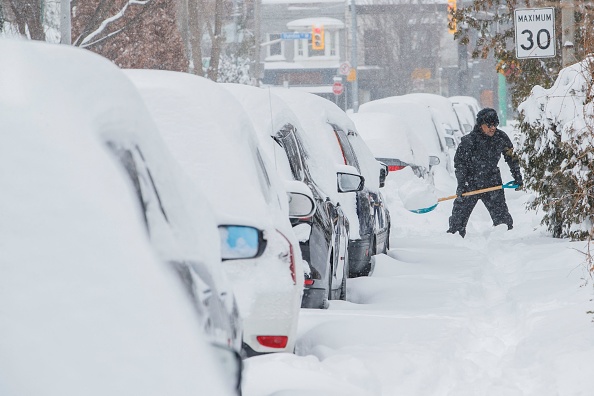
{"x":477,"y":157}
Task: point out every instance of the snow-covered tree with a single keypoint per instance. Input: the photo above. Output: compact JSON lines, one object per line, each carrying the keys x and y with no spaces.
{"x":487,"y":26}
{"x":234,"y":69}
{"x":556,"y":147}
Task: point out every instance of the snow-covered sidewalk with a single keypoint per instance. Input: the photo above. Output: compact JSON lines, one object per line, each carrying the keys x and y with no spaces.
{"x":497,"y":313}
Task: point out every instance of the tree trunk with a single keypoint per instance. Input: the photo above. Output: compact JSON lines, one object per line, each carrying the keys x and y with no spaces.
{"x":1,"y":16}
{"x":196,"y":29}
{"x":217,"y":42}
{"x":28,"y":14}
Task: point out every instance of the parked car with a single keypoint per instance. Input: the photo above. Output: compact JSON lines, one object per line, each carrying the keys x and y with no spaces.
{"x":183,"y":233}
{"x":465,"y":116}
{"x":87,"y":306}
{"x":392,"y":144}
{"x":369,"y":219}
{"x":420,"y":120}
{"x":213,"y":139}
{"x":469,"y":101}
{"x":325,"y":233}
{"x":443,"y":111}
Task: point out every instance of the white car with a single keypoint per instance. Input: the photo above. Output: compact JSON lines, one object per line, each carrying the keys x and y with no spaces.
{"x":443,"y":111}
{"x":87,"y":307}
{"x":470,"y":102}
{"x":418,"y":119}
{"x":465,"y":116}
{"x":208,"y":132}
{"x":392,"y":143}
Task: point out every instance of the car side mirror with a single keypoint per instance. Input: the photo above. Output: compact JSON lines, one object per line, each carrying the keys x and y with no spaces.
{"x":433,"y":160}
{"x":241,"y":242}
{"x":301,"y":200}
{"x":349,"y":179}
{"x":347,"y":182}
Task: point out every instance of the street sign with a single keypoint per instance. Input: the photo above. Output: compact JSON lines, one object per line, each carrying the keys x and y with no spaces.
{"x":337,"y":88}
{"x":295,"y":36}
{"x":344,"y":68}
{"x":535,"y":33}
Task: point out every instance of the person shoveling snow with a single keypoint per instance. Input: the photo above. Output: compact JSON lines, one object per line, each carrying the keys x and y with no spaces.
{"x":476,"y":167}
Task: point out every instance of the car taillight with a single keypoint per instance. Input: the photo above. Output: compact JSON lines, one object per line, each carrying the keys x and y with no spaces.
{"x":308,"y":282}
{"x":291,"y":258}
{"x":273,"y":341}
{"x":393,"y":168}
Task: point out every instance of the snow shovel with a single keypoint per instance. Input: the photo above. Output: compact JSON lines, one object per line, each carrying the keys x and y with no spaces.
{"x":510,"y":184}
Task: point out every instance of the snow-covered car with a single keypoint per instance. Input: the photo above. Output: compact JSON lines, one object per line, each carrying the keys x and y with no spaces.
{"x":331,"y":133}
{"x":87,"y":306}
{"x":465,"y":116}
{"x":391,"y":143}
{"x":210,"y":135}
{"x":325,"y":237}
{"x":470,"y":102}
{"x":183,"y":233}
{"x":418,"y":119}
{"x":443,"y":111}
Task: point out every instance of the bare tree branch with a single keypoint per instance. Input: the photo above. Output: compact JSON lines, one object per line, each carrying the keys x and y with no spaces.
{"x":88,"y":40}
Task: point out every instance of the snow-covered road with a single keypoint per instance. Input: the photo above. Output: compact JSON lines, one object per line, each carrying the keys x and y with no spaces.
{"x":497,"y":313}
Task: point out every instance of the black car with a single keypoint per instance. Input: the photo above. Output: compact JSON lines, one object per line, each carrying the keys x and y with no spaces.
{"x":372,"y":213}
{"x":326,"y":248}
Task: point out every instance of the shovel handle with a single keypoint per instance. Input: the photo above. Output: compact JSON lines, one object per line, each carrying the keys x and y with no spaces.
{"x":482,"y":190}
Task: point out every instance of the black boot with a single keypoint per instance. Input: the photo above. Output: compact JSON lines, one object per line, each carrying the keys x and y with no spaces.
{"x":461,"y":232}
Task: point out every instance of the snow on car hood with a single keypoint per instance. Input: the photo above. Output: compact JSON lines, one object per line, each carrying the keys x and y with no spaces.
{"x":269,"y":114}
{"x":208,"y":134}
{"x":114,"y":111}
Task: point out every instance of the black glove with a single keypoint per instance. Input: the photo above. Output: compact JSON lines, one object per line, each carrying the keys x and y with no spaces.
{"x":520,"y":185}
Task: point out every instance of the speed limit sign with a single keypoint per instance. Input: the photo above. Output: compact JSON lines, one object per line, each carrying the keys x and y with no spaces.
{"x":535,"y":32}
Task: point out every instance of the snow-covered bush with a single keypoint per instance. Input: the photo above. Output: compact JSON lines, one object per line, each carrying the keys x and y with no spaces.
{"x":556,"y":148}
{"x":234,"y":69}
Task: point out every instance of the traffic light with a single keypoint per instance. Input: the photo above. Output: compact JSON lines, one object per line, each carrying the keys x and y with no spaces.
{"x":317,"y":37}
{"x":451,"y":21}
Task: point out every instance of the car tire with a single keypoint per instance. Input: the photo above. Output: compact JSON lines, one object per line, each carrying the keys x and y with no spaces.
{"x":343,"y":292}
{"x":366,"y":271}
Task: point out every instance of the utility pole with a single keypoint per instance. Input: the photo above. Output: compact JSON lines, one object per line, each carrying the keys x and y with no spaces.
{"x":355,"y":82}
{"x":568,"y":30}
{"x":257,"y":17}
{"x":65,"y":23}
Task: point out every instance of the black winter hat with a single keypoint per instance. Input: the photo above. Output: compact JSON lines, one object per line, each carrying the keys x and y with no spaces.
{"x":487,"y":116}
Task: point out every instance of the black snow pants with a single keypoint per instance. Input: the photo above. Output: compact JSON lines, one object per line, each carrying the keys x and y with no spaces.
{"x":494,"y":202}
